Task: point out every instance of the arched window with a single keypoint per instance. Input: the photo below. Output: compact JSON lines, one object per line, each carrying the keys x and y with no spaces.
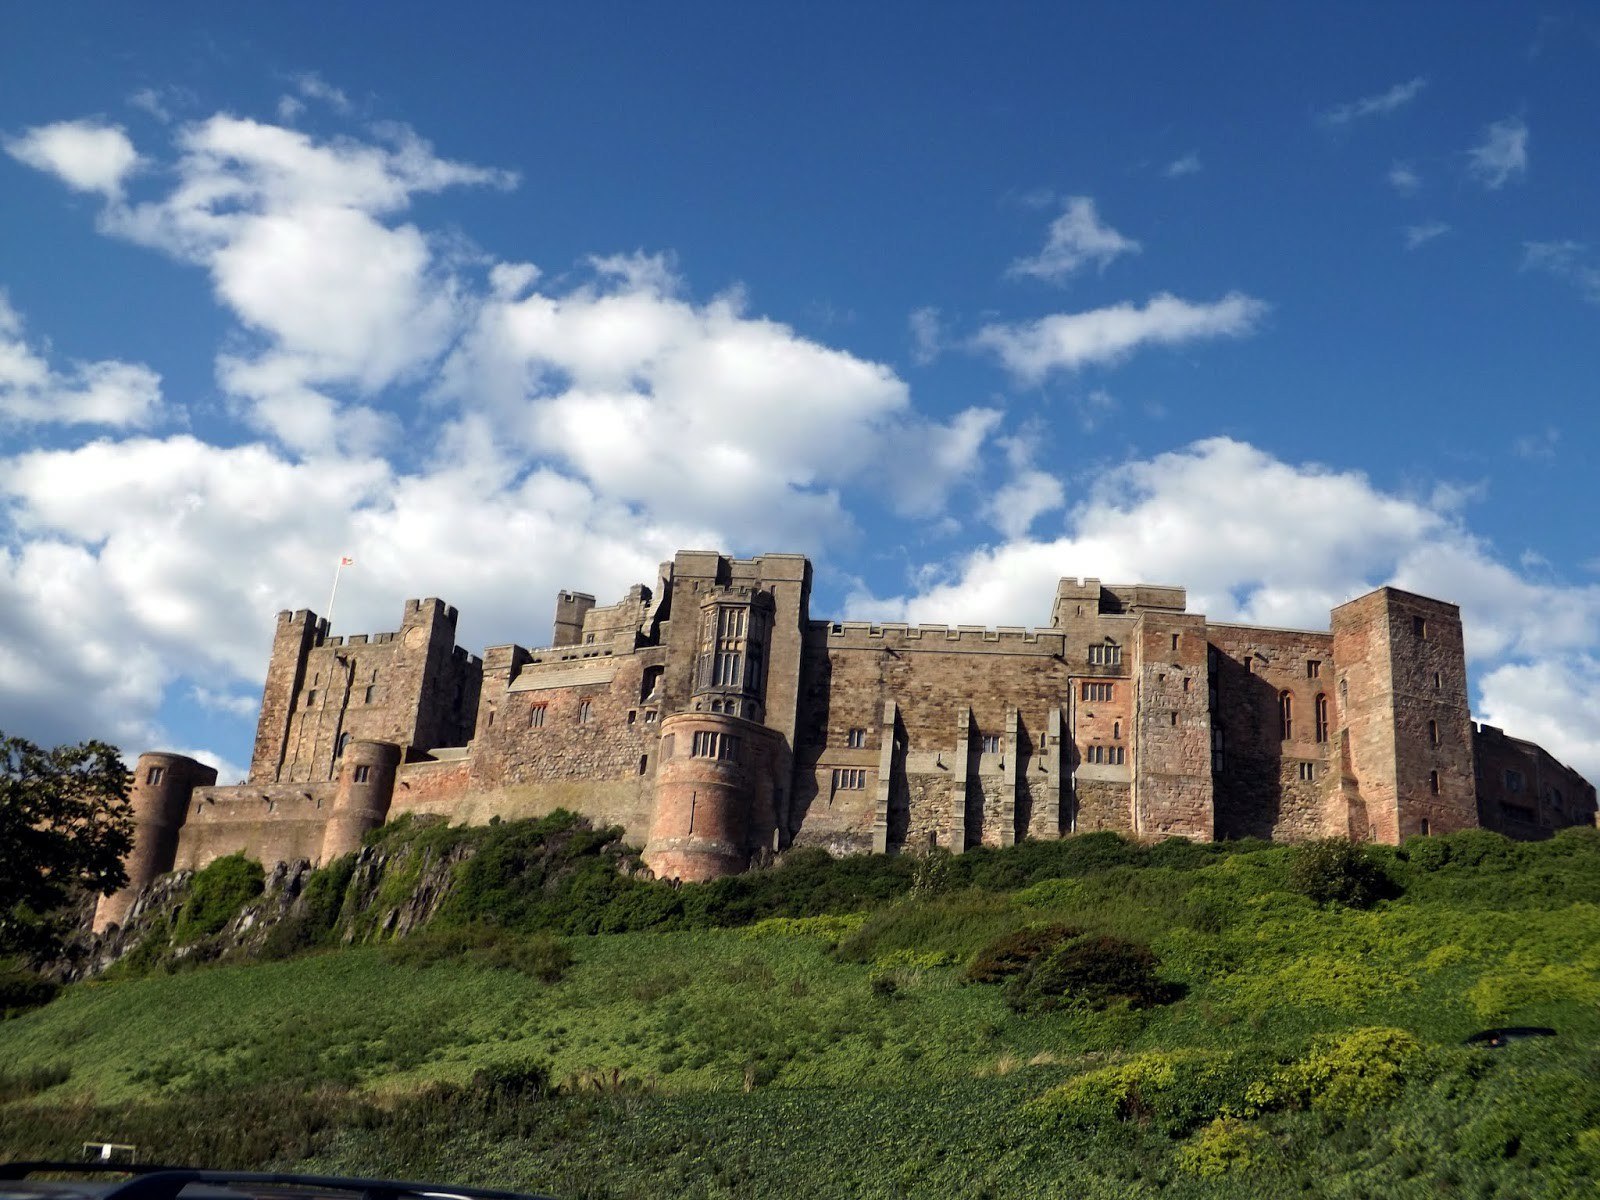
{"x":344,"y":740}
{"x":1433,"y":782}
{"x":1322,"y":716}
{"x":1433,"y":733}
{"x":1286,"y":714}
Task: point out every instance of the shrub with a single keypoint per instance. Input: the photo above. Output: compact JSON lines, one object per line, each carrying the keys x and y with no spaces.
{"x":1173,"y":1090}
{"x":1224,"y":1146}
{"x":20,"y":1085}
{"x":315,"y":914}
{"x":951,"y":926}
{"x":1352,"y":1073}
{"x":1012,"y":953}
{"x":1090,"y":971}
{"x":1337,"y":871}
{"x":22,"y":989}
{"x":216,"y":894}
{"x":539,"y":955}
{"x":514,"y":1079}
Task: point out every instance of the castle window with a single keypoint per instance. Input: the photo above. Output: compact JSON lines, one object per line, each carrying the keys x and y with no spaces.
{"x":1438,"y":681}
{"x":1344,"y":691}
{"x":1419,"y":626}
{"x":1172,"y":719}
{"x":1308,"y":770}
{"x":666,"y":745}
{"x":849,"y":779}
{"x":536,"y":717}
{"x":1313,"y":668}
{"x":1433,"y":782}
{"x":344,"y":741}
{"x":1433,"y":733}
{"x":588,"y":639}
{"x":311,"y":697}
{"x":1186,"y":682}
{"x":374,"y":678}
{"x":1425,"y":829}
{"x":1174,"y":641}
{"x":1097,"y":691}
{"x":1513,"y":781}
{"x":650,"y":717}
{"x":1286,"y":714}
{"x":1116,"y":729}
{"x":1216,"y":749}
{"x":153,"y":776}
{"x":856,"y":739}
{"x":1116,"y":753}
{"x":633,"y":715}
{"x":1322,"y":717}
{"x":585,"y":711}
{"x":991,"y":743}
{"x":362,"y":774}
{"x":370,"y":692}
{"x":651,"y":683}
{"x":1105,"y":654}
{"x":707,"y":744}
{"x":644,"y":761}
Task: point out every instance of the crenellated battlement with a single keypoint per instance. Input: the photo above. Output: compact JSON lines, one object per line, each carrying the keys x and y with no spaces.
{"x":870,"y":635}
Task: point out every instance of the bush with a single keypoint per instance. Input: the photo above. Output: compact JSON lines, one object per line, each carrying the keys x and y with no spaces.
{"x":1173,"y":1090}
{"x":1093,"y":972}
{"x":20,"y":1085}
{"x":1337,"y":871}
{"x":515,"y":1079}
{"x":539,"y":955}
{"x":1224,"y":1146}
{"x":951,"y":927}
{"x":1014,"y":952}
{"x":22,"y":989}
{"x":216,"y":894}
{"x":1352,"y":1073}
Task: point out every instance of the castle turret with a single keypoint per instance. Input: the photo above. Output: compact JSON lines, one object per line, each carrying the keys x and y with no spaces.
{"x":162,"y":786}
{"x":361,"y":803}
{"x":571,"y":608}
{"x":297,"y":633}
{"x":708,"y":797}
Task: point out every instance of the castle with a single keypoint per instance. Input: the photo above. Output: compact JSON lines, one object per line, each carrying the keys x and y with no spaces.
{"x":714,"y":720}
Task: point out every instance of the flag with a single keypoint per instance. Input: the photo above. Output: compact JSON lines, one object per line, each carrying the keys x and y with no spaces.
{"x":346,"y":562}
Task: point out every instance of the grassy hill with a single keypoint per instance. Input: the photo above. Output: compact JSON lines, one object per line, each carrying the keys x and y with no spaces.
{"x":815,"y":1029}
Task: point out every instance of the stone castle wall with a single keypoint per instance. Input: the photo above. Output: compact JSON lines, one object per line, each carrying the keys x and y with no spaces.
{"x":1126,"y":714}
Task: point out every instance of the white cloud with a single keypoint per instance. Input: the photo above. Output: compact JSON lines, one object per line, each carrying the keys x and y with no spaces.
{"x":927,"y":336}
{"x":1404,"y":179}
{"x":1567,"y":260}
{"x":1028,"y":493}
{"x":1189,"y":164}
{"x":1259,"y":540}
{"x":313,"y":87}
{"x":1421,"y":235}
{"x":234,"y":704}
{"x":1378,"y":105}
{"x":88,"y":156}
{"x":1537,"y":445}
{"x":1071,"y":341}
{"x":1076,"y":239}
{"x":337,"y":302}
{"x":95,"y":393}
{"x":1094,"y":409}
{"x":1502,"y":155}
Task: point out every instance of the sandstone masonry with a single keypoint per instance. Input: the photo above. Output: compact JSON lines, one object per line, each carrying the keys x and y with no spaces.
{"x":715,"y":721}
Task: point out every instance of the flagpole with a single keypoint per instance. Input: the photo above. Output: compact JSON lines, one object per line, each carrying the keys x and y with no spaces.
{"x":334,"y":591}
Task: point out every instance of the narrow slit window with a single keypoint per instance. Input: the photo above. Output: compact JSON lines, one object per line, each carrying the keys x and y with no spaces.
{"x":1433,"y":733}
{"x":1286,"y":715}
{"x":1433,"y":782}
{"x":1322,"y":717}
{"x":363,"y":774}
{"x":585,"y":711}
{"x":536,"y":717}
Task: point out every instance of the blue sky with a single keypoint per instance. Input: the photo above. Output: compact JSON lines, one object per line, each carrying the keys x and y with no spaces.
{"x":1275,"y":303}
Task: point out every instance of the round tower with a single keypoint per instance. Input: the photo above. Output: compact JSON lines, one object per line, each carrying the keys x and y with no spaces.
{"x":704,"y":793}
{"x":162,"y":786}
{"x":361,"y":799}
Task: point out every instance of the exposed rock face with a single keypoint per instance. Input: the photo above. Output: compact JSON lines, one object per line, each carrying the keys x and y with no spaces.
{"x":365,"y":911}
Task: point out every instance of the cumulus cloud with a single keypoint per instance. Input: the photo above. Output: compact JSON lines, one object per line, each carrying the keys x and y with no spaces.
{"x":108,"y":393}
{"x":1256,"y":539}
{"x":1421,"y":235}
{"x":1028,"y":493}
{"x":1072,"y":341}
{"x":1502,"y":155}
{"x":1077,"y":238}
{"x":572,"y":433}
{"x":87,"y":155}
{"x":1380,"y":104}
{"x":294,"y":235}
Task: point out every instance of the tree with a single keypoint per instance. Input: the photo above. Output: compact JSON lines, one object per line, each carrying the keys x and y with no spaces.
{"x":65,"y":827}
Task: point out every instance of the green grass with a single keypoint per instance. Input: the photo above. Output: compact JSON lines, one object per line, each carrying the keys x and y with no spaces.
{"x":1314,"y":1049}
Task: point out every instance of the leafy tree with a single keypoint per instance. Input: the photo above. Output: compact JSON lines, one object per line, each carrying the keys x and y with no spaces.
{"x":65,"y":825}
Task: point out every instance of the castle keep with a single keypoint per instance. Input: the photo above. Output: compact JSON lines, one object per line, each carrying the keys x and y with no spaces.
{"x":715,"y":721}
